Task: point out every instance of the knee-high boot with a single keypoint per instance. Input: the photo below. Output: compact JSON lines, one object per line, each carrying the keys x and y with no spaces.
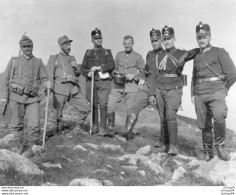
{"x":103,"y":120}
{"x":130,"y":122}
{"x":207,"y":140}
{"x":111,"y":121}
{"x":95,"y":120}
{"x":165,"y":143}
{"x":220,"y":131}
{"x":173,"y":131}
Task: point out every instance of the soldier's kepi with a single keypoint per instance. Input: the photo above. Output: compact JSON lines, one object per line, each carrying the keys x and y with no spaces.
{"x":213,"y":74}
{"x":63,"y":71}
{"x":27,"y":74}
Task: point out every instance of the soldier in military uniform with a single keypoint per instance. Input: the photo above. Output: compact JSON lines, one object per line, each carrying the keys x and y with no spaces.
{"x":20,"y":84}
{"x":98,"y":62}
{"x":63,"y":71}
{"x":147,"y":81}
{"x":129,"y":64}
{"x":213,"y":74}
{"x":169,"y":92}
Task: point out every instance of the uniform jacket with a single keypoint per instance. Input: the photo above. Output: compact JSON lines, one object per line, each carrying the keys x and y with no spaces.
{"x":97,"y":57}
{"x":220,"y":62}
{"x":131,"y":63}
{"x":60,"y":65}
{"x":31,"y":70}
{"x":150,"y":71}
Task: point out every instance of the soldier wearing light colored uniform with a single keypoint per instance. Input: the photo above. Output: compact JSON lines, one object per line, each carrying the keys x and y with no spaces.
{"x":20,"y":84}
{"x":63,"y":71}
{"x":130,"y":64}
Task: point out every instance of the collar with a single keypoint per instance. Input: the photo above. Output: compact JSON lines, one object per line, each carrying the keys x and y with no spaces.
{"x":157,"y":50}
{"x":171,"y":49}
{"x":63,"y":53}
{"x":129,"y":52}
{"x":98,"y":48}
{"x":27,"y":57}
{"x":206,"y":49}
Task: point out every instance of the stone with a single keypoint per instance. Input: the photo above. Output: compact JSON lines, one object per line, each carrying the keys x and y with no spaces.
{"x":85,"y":182}
{"x":107,"y":183}
{"x":115,"y":148}
{"x":130,"y":168}
{"x":38,"y":149}
{"x":142,"y":173}
{"x":7,"y":139}
{"x":81,"y":148}
{"x":194,"y":163}
{"x":156,"y":168}
{"x":178,"y":163}
{"x":93,"y":146}
{"x":50,"y":165}
{"x":155,"y":158}
{"x":121,"y":138}
{"x":11,"y":160}
{"x":101,"y":171}
{"x":219,"y":171}
{"x":188,"y":158}
{"x":179,"y":172}
{"x":144,"y":150}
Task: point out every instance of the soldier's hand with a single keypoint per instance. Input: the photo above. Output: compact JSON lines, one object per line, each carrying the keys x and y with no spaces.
{"x":193,"y":99}
{"x":141,"y":83}
{"x":152,"y":100}
{"x":130,"y":77}
{"x":94,"y":68}
{"x":179,"y":70}
{"x":182,"y":59}
{"x":4,"y":101}
{"x":91,"y":73}
{"x":49,"y":84}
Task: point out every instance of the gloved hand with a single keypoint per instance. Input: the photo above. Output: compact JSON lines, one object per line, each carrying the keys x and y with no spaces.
{"x":49,"y":84}
{"x":152,"y":100}
{"x":179,"y":70}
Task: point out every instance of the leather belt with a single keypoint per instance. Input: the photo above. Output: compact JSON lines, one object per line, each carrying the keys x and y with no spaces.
{"x":208,"y":79}
{"x":168,"y":75}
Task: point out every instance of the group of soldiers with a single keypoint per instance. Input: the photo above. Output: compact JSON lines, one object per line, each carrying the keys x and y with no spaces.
{"x":128,"y":79}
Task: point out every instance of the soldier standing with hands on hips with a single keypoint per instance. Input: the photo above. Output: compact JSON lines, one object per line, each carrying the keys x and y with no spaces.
{"x":63,"y":71}
{"x":20,"y":84}
{"x":98,"y":62}
{"x":213,"y":74}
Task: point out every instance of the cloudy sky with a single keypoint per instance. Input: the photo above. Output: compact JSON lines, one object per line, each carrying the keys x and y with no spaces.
{"x":46,"y":20}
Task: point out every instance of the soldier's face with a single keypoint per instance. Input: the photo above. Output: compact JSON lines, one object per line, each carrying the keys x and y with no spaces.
{"x":169,"y":42}
{"x":27,"y":50}
{"x":97,"y":41}
{"x":66,"y":47}
{"x":156,"y":44}
{"x":128,"y":44}
{"x":204,"y":41}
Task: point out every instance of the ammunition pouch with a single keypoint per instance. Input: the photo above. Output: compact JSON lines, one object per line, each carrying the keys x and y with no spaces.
{"x":184,"y":79}
{"x":17,"y":88}
{"x":69,"y":79}
{"x":31,"y":90}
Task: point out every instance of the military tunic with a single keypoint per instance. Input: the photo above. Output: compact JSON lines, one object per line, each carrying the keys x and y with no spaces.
{"x":27,"y":72}
{"x":60,"y":67}
{"x":210,"y":95}
{"x":126,"y":63}
{"x":102,"y":87}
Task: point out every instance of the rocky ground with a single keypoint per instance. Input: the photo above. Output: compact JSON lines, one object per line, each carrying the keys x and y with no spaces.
{"x":75,"y":158}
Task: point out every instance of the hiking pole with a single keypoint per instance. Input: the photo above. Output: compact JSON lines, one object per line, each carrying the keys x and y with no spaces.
{"x":46,"y":117}
{"x":91,"y":106}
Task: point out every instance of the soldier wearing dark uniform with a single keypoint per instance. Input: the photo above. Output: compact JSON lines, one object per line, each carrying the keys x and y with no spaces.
{"x":129,"y":64}
{"x":98,"y":62}
{"x":20,"y":84}
{"x":63,"y":71}
{"x":213,"y":74}
{"x":169,"y":92}
{"x":147,"y":82}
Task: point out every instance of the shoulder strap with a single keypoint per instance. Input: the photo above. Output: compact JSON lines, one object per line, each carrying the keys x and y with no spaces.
{"x":32,"y":72}
{"x":12,"y":71}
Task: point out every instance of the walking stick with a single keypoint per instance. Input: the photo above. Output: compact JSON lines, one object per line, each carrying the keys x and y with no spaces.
{"x":91,"y":107}
{"x":46,"y":117}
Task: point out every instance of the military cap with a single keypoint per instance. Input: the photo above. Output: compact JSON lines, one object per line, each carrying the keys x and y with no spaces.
{"x":155,"y":34}
{"x":168,"y":32}
{"x":25,"y":40}
{"x":64,"y":39}
{"x":96,"y":33}
{"x":202,"y":29}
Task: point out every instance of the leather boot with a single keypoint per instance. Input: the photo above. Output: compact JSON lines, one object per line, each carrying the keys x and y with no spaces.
{"x":163,"y":147}
{"x":219,"y":131}
{"x":103,"y":120}
{"x":207,"y":140}
{"x":29,"y":152}
{"x":130,"y":122}
{"x":95,"y":121}
{"x":173,"y":131}
{"x":111,"y":121}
